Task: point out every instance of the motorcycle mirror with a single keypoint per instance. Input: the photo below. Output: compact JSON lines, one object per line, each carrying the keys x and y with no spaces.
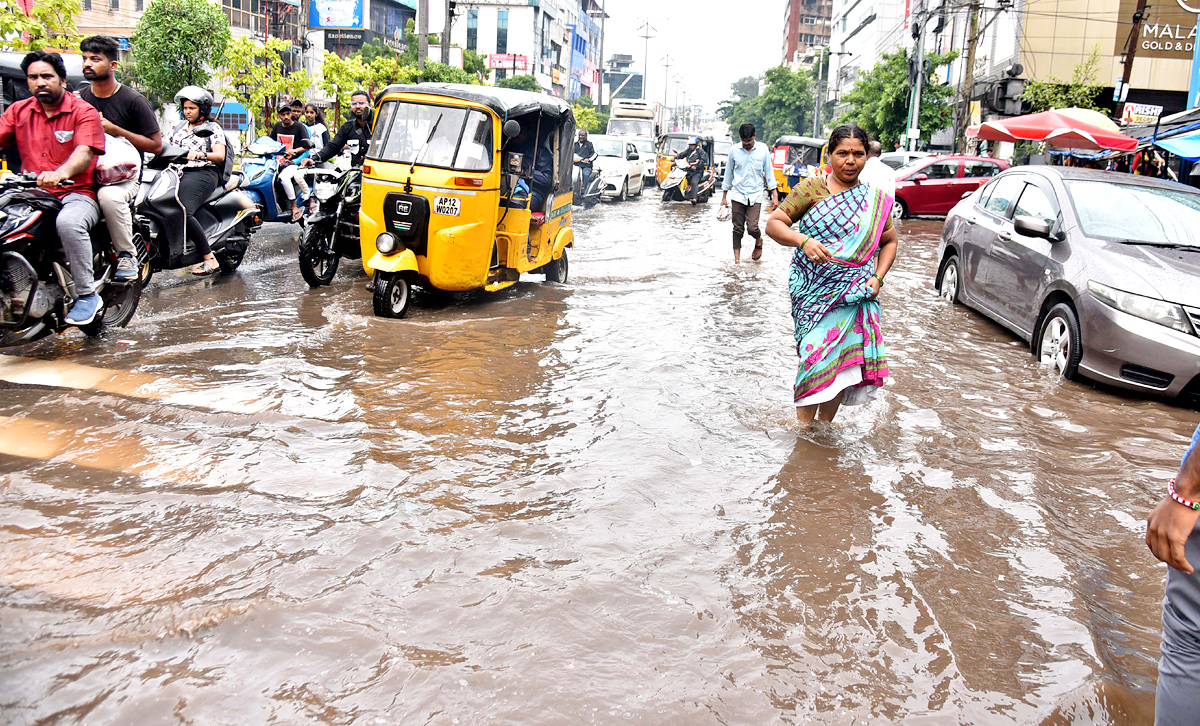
{"x":511,"y":128}
{"x":203,"y":132}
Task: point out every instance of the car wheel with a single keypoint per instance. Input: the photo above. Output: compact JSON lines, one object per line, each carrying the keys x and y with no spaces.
{"x":948,"y":288}
{"x":899,"y":210}
{"x":391,"y":295}
{"x":1060,"y":345}
{"x":624,"y":191}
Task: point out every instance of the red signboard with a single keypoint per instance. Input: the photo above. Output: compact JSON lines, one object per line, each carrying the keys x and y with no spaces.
{"x":508,"y":61}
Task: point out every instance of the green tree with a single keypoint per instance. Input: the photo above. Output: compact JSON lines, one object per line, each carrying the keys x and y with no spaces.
{"x":49,"y":24}
{"x":745,"y":88}
{"x":521,"y":82}
{"x":586,"y":117}
{"x":1080,"y":92}
{"x":442,"y":73}
{"x":476,"y":65}
{"x":785,"y":105}
{"x":879,"y":100}
{"x":342,"y":76}
{"x":254,"y":75}
{"x":174,"y":45}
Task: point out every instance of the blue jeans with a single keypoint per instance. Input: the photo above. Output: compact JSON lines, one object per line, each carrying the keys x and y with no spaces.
{"x":585,"y":173}
{"x":74,"y":223}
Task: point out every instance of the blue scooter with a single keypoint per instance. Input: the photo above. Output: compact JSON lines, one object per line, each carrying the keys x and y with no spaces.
{"x":259,"y":182}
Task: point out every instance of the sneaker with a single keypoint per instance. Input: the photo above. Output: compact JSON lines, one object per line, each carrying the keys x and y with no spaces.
{"x":127,"y":270}
{"x":84,"y":310}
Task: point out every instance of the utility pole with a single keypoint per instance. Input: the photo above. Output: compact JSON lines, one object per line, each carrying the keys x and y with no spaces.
{"x":446,"y":32}
{"x":1130,"y":51}
{"x":646,"y":28}
{"x":422,"y":34}
{"x":914,"y":111}
{"x":600,"y":90}
{"x":666,"y":77}
{"x":968,"y":75}
{"x":817,"y":94}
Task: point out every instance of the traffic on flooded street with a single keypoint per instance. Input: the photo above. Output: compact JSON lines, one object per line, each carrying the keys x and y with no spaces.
{"x":579,"y":502}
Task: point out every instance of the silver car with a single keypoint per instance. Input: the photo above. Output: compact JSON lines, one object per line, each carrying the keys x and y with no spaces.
{"x":1099,"y":271}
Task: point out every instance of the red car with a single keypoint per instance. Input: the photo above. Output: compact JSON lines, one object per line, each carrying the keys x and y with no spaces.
{"x":933,"y":185}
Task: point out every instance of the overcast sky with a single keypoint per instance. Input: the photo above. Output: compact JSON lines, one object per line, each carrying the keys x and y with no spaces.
{"x":711,"y":44}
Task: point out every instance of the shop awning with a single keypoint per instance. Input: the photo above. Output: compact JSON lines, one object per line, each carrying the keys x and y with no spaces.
{"x":1054,"y":128}
{"x":1185,"y":145}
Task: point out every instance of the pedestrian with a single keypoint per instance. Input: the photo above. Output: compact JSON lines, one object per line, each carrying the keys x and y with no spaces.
{"x":59,"y":137}
{"x":585,"y":155}
{"x":1172,"y":536}
{"x":126,"y":114}
{"x":846,"y":245}
{"x":748,"y":174}
{"x":876,"y":173}
{"x":200,"y":175}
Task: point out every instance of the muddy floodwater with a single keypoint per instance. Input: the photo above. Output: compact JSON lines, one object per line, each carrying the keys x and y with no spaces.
{"x":568,"y":504}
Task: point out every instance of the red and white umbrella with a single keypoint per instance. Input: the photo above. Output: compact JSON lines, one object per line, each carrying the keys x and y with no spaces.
{"x":1055,"y":128}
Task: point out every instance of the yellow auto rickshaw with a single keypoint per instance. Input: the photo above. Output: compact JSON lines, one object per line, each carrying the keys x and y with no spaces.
{"x":795,"y":157}
{"x":669,"y":144}
{"x":465,"y":187}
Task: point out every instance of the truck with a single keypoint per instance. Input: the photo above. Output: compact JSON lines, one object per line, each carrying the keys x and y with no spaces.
{"x":633,"y":117}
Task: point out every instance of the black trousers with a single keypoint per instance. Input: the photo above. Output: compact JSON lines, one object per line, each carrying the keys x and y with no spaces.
{"x":693,"y":179}
{"x":194,"y":187}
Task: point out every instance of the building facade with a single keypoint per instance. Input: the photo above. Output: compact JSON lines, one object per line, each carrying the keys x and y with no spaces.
{"x":806,"y":24}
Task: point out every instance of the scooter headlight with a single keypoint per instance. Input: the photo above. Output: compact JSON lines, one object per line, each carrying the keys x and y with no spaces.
{"x":386,"y":243}
{"x":324,"y":190}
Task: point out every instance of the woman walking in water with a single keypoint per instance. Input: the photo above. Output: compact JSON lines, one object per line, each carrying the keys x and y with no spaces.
{"x":845,"y":246}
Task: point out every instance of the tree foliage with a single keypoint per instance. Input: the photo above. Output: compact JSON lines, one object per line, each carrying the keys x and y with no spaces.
{"x":879,"y":100}
{"x":586,"y":117}
{"x":1080,"y":92}
{"x":785,"y":105}
{"x":254,"y":75}
{"x":340,"y":77}
{"x":476,"y":65}
{"x":522,"y":82}
{"x":49,"y":24}
{"x":175,"y":44}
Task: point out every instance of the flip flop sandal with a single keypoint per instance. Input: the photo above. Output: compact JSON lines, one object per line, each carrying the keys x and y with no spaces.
{"x":757,"y":254}
{"x":205,"y":269}
{"x":296,"y":215}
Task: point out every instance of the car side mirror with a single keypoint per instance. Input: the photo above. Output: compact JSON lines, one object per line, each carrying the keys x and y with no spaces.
{"x":633,"y":156}
{"x":1032,"y":227}
{"x":511,"y":128}
{"x":921,"y":177}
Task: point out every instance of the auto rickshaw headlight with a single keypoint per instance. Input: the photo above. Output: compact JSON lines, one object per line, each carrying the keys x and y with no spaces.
{"x":386,"y":243}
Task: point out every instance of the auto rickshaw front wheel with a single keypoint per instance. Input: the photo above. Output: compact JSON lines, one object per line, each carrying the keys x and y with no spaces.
{"x":392,"y":292}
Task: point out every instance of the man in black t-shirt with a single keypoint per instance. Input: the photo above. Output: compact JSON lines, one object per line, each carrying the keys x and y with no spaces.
{"x":126,"y":114}
{"x":354,"y":135}
{"x":294,"y":137}
{"x":585,"y":155}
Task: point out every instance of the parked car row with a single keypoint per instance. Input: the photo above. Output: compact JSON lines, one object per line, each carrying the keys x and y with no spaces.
{"x":1098,"y":271}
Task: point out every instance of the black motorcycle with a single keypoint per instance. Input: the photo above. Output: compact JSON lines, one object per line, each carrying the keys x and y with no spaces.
{"x":331,"y":232}
{"x":36,"y":288}
{"x":586,"y":197}
{"x":229,"y":217}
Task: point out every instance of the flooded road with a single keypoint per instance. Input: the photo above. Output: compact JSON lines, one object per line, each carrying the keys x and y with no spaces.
{"x":565,"y":504}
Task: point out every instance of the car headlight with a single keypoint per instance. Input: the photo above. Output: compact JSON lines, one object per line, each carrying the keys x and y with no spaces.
{"x":1146,"y":308}
{"x":386,"y":243}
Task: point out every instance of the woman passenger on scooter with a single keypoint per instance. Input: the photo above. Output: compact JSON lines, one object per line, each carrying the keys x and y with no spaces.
{"x":200,"y":176}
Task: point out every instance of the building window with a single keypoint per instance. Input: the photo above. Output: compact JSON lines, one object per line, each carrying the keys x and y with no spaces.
{"x":114,"y":4}
{"x":85,"y":4}
{"x":139,"y":5}
{"x":473,"y":29}
{"x":502,"y":31}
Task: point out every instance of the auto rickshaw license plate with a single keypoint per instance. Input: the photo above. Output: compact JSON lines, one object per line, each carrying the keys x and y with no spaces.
{"x":449,"y":206}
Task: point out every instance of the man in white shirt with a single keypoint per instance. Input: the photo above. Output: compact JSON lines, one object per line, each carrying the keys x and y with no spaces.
{"x":748,"y":174}
{"x":876,"y":173}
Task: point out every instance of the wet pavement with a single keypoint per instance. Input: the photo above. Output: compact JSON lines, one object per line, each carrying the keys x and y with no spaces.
{"x":565,"y":504}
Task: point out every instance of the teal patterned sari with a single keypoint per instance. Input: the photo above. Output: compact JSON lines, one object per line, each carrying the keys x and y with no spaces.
{"x":837,"y":322}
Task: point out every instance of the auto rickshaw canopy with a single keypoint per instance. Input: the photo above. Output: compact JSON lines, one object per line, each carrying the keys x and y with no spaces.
{"x":506,"y":102}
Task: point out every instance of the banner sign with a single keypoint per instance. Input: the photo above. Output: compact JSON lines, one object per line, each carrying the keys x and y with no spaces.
{"x":335,"y":14}
{"x":508,"y":61}
{"x":1140,"y":114}
{"x":1168,"y":30}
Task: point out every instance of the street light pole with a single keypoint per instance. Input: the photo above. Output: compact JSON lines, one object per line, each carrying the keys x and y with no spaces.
{"x":600,"y":91}
{"x":646,"y":28}
{"x":422,"y":34}
{"x":666,"y":77}
{"x":817,"y":110}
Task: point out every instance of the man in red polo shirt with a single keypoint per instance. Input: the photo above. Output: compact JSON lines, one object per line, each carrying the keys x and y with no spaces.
{"x":59,"y":137}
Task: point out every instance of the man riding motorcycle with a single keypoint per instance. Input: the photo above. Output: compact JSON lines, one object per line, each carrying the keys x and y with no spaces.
{"x":696,"y":160}
{"x":59,"y":137}
{"x":585,"y":155}
{"x":355,"y":133}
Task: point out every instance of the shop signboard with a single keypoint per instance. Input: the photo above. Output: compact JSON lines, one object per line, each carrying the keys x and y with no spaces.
{"x":1140,"y":114}
{"x":335,"y":14}
{"x":508,"y":61}
{"x":1168,"y":29}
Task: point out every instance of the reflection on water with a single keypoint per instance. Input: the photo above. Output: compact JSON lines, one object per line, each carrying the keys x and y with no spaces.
{"x":584,"y":503}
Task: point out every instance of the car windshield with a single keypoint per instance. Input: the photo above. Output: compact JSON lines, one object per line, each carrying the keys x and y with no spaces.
{"x":608,"y":147}
{"x":1137,"y":214}
{"x":630,"y":126}
{"x":452,"y":137}
{"x":723,"y":147}
{"x":644,"y":147}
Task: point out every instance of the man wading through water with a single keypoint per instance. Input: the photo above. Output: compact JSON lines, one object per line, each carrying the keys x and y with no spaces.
{"x":748,"y":174}
{"x":1172,"y":536}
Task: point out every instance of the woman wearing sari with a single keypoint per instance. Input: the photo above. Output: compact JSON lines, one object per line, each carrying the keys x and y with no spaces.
{"x":845,"y":246}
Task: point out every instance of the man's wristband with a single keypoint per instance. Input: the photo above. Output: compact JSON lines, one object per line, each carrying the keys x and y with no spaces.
{"x":1175,"y":495}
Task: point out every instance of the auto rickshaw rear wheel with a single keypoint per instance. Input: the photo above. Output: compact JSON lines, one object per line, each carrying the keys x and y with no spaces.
{"x":556,"y":271}
{"x":391,"y":294}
